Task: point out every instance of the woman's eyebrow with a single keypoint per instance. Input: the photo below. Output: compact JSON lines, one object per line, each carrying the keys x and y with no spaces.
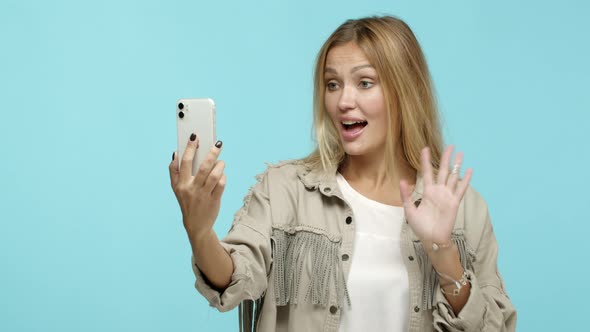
{"x":361,"y":67}
{"x":333,"y":71}
{"x":330,"y":70}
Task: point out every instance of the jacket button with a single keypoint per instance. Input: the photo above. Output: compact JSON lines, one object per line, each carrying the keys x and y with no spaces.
{"x":349,"y":220}
{"x":345,"y":257}
{"x":411,"y":258}
{"x":416,"y":309}
{"x":333,"y":309}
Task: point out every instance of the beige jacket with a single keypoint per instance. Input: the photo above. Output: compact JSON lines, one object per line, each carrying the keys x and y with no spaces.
{"x":291,"y":243}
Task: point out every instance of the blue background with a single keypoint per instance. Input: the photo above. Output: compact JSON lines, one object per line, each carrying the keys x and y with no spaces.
{"x":91,"y":237}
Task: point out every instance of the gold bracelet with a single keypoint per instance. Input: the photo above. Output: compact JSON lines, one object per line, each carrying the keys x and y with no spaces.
{"x":458,"y":283}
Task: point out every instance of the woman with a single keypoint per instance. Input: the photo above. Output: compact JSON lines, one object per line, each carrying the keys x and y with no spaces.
{"x":373,"y":230}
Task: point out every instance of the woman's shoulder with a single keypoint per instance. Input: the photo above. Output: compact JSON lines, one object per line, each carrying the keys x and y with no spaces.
{"x":475,"y":216}
{"x":284,"y":173}
{"x":287,"y":166}
{"x":474,"y":203}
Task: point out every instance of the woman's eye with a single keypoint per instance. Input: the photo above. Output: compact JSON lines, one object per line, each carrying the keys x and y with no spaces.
{"x":366,"y":84}
{"x":332,"y":86}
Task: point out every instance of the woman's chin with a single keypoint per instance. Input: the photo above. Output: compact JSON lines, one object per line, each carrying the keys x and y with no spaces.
{"x":359,"y":149}
{"x":354,"y":149}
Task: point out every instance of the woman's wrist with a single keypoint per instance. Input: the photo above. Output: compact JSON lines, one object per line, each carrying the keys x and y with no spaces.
{"x":200,"y":237}
{"x":440,"y":251}
{"x":452,"y":286}
{"x":446,"y":261}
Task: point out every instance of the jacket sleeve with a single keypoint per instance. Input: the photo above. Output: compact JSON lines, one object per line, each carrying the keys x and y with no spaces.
{"x":488,"y":307}
{"x":248,"y":243}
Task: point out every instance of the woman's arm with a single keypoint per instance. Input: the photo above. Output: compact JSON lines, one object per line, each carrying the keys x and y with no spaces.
{"x":226,"y":282}
{"x":233,"y":269}
{"x":483,"y":304}
{"x":212,"y":259}
{"x":447,"y":262}
{"x":487,"y":307}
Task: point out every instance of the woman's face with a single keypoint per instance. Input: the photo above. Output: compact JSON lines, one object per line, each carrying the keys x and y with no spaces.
{"x":354,"y":100}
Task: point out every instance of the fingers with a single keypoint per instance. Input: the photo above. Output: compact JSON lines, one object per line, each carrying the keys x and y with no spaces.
{"x":208,"y":164}
{"x":426,"y":166}
{"x":406,"y":195}
{"x":464,"y":184}
{"x":456,"y":170}
{"x":187,"y":158}
{"x":214,"y":176}
{"x":443,"y":172}
{"x":218,"y":190}
{"x":446,"y":177}
{"x":173,"y":170}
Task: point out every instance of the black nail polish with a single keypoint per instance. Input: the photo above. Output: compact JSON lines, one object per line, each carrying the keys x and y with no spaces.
{"x":218,"y":144}
{"x":173,"y":155}
{"x":193,"y":137}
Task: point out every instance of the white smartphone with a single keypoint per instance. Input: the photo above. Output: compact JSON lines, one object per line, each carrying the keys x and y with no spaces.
{"x":195,"y":116}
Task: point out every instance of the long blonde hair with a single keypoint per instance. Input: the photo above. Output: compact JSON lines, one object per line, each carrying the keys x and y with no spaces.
{"x":391,"y":47}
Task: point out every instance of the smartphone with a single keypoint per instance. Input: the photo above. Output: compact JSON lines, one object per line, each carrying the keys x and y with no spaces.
{"x":196,"y":115}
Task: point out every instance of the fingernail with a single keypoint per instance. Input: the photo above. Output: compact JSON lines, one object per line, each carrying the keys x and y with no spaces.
{"x":173,"y":155}
{"x":218,"y":144}
{"x":193,"y":137}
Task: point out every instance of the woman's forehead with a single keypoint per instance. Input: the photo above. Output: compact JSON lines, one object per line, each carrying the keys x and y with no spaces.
{"x":346,"y":56}
{"x":346,"y":52}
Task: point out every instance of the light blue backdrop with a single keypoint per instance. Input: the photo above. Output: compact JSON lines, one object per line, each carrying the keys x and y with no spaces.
{"x":91,"y":237}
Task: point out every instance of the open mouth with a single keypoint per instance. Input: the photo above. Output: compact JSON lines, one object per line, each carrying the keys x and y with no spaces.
{"x":354,"y":126}
{"x":351,"y":130}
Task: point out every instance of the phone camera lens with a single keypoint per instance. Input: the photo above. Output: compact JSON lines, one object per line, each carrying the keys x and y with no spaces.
{"x":181,"y":115}
{"x":180,"y":106}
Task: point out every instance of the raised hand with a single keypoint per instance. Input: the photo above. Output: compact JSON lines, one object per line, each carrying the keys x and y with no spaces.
{"x":199,"y":196}
{"x":433,"y":220}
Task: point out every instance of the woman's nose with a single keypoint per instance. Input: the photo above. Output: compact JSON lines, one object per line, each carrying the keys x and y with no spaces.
{"x":347,"y":99}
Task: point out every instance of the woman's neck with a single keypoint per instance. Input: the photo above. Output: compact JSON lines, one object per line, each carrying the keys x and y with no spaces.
{"x":370,"y":171}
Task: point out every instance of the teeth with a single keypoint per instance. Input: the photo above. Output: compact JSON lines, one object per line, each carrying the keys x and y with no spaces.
{"x":348,"y":123}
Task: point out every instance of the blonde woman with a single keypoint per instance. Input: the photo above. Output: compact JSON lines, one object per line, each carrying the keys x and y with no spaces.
{"x":373,"y":231}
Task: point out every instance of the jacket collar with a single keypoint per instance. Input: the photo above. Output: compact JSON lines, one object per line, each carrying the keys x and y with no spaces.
{"x":325,"y":181}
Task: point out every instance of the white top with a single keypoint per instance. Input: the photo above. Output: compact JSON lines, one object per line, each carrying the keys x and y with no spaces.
{"x":378,"y":280}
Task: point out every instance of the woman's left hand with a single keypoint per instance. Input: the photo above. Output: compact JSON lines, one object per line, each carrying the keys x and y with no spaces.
{"x":433,"y":220}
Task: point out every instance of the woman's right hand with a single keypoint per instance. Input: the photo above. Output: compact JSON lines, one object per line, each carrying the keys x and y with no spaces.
{"x":199,"y":196}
